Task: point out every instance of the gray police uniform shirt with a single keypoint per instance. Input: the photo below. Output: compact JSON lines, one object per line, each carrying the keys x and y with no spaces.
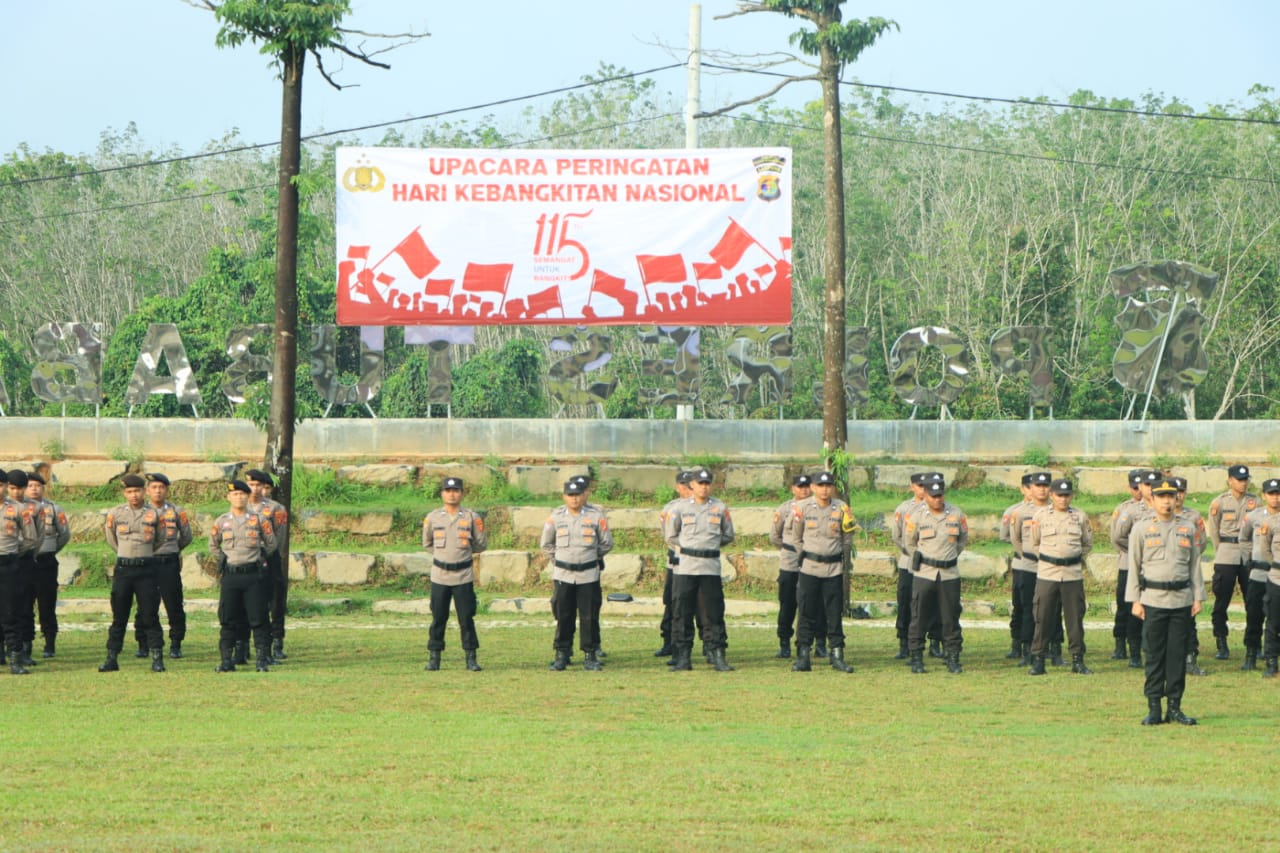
{"x":18,"y":531}
{"x":1122,"y":518}
{"x":453,"y":538}
{"x":131,"y":533}
{"x":1271,"y":551}
{"x":673,"y":558}
{"x":279,"y":516}
{"x":1020,"y":533}
{"x":1164,"y":552}
{"x":1062,"y":535}
{"x":1253,"y":531}
{"x":243,"y":539}
{"x":940,"y":538}
{"x":703,"y":527}
{"x":173,"y":531}
{"x":782,"y":535}
{"x":56,"y":528}
{"x":1225,"y":515}
{"x":899,"y":526}
{"x":576,"y":540}
{"x":1018,"y":563}
{"x":819,"y":533}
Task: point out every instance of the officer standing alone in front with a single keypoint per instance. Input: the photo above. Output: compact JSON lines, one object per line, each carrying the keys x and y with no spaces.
{"x":575,"y":539}
{"x":824,"y":533}
{"x":240,"y":541}
{"x":935,"y":536}
{"x":131,"y":531}
{"x":453,"y":534}
{"x":699,"y":527}
{"x":1061,"y":539}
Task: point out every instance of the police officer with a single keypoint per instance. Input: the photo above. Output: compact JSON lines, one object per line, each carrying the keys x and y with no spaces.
{"x":1023,"y":576}
{"x":1019,"y":537}
{"x":173,"y":533}
{"x":585,"y":481}
{"x":1271,"y":552}
{"x":935,"y":535}
{"x":1191,"y":516}
{"x":131,"y":531}
{"x":683,"y":478}
{"x":17,"y":487}
{"x":240,"y":541}
{"x":57,"y":533}
{"x":575,"y":539}
{"x":782,"y":535}
{"x":1230,"y":561}
{"x":824,"y":532}
{"x":453,"y":534}
{"x":18,"y":534}
{"x":260,"y":501}
{"x":1166,"y":588}
{"x":1061,"y":539}
{"x":1253,"y":530}
{"x":1126,"y":631}
{"x":699,"y":527}
{"x":896,"y":530}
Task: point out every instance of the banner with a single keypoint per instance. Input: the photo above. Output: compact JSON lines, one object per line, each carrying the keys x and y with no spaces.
{"x":698,"y":237}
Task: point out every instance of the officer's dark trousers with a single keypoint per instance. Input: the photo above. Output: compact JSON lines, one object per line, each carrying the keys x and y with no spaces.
{"x":933,"y":600}
{"x":463,"y":597}
{"x":701,"y":596}
{"x":132,"y":582}
{"x":1126,"y":627}
{"x":580,"y":602}
{"x":278,"y":577}
{"x":169,"y":580}
{"x":1022,"y":622}
{"x":243,"y":601}
{"x":1164,"y":643}
{"x":1273,"y":620}
{"x":47,"y":594}
{"x":903,"y":621}
{"x":1054,"y":599}
{"x":667,"y":610}
{"x":1225,"y":580}
{"x":821,"y":605}
{"x":11,"y":603}
{"x":1255,"y":613}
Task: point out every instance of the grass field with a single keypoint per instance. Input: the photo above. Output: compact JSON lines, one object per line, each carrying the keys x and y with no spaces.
{"x":351,"y":745}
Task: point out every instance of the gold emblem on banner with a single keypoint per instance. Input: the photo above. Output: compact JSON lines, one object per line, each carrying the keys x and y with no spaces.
{"x":362,"y":178}
{"x":768,"y":176}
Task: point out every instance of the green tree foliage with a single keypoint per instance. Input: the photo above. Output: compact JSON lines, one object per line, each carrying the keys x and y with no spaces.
{"x":501,"y":383}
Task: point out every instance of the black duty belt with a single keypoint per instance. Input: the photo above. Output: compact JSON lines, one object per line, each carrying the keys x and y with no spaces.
{"x":937,"y":564}
{"x":168,"y":558}
{"x":1062,"y":561}
{"x":787,"y":547}
{"x":698,"y":552}
{"x":134,"y":562}
{"x":451,"y":567}
{"x":243,"y":568}
{"x":1230,"y":540}
{"x":822,"y":558}
{"x":47,"y":558}
{"x":1173,"y":586}
{"x":1259,"y":565}
{"x":1027,"y":555}
{"x":577,"y":567}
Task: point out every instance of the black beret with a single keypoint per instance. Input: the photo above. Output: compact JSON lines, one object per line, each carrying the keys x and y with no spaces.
{"x":33,"y":477}
{"x":801,"y":480}
{"x":256,"y":476}
{"x":157,"y":478}
{"x":132,"y":481}
{"x":451,"y":483}
{"x":824,"y":478}
{"x":17,"y":478}
{"x":574,"y":486}
{"x":239,"y":486}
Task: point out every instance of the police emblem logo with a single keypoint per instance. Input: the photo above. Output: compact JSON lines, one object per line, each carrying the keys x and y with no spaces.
{"x":363,"y":177}
{"x":768,"y":176}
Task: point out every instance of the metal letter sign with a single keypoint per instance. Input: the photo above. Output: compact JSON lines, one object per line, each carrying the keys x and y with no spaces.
{"x":563,"y":375}
{"x":53,"y":361}
{"x":162,"y":340}
{"x":685,"y":368}
{"x":759,"y":352}
{"x":1035,"y":367}
{"x":904,"y":367}
{"x":246,"y":366}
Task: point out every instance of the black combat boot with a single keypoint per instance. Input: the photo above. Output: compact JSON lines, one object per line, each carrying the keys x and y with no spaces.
{"x":1135,"y":655}
{"x":50,"y":646}
{"x":433,"y":661}
{"x":1055,"y":654}
{"x":837,"y":660}
{"x":1078,"y":667}
{"x":472,"y":664}
{"x":157,"y":660}
{"x":1250,"y":659}
{"x":175,"y":649}
{"x":263,"y":663}
{"x":591,"y":662}
{"x":917,"y":662}
{"x":666,"y":651}
{"x":682,"y":660}
{"x":26,"y":655}
{"x":784,"y":649}
{"x":1224,"y":651}
{"x":803,"y":662}
{"x":718,"y":661}
{"x":1119,"y":653}
{"x":561,"y":662}
{"x":242,"y":652}
{"x":820,"y":648}
{"x":228,"y":661}
{"x":1026,"y":655}
{"x":277,"y":649}
{"x":1193,"y":668}
{"x":935,"y":649}
{"x":1154,"y":716}
{"x":1270,"y":671}
{"x":903,"y":652}
{"x":143,"y":651}
{"x":110,"y":664}
{"x":1037,"y":665}
{"x":1175,"y":714}
{"x":1015,"y":650}
{"x":953,"y":663}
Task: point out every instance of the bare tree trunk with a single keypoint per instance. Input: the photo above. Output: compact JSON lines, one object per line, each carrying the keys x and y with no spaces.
{"x":834,"y":407}
{"x":279,"y":452}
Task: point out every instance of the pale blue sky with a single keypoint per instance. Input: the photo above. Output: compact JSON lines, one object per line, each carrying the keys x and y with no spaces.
{"x":73,"y":68}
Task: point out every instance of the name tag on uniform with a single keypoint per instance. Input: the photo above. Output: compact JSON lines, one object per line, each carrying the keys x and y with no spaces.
{"x":927,"y":533}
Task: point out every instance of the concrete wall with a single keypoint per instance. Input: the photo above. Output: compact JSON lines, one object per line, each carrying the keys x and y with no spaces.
{"x":545,"y":439}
